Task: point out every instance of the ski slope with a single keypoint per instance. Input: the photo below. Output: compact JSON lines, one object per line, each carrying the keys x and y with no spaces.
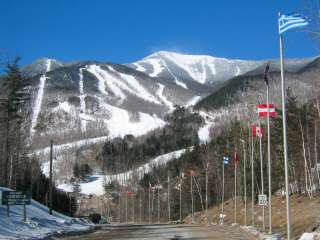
{"x":39,"y":223}
{"x":95,"y":184}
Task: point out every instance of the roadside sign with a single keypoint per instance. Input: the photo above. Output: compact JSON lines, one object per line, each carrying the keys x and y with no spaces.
{"x":16,"y":198}
{"x":263,"y":200}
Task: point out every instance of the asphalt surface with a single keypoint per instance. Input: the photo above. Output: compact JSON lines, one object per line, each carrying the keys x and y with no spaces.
{"x":169,"y":232}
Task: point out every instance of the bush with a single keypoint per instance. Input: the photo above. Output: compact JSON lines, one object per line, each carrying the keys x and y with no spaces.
{"x":95,"y":218}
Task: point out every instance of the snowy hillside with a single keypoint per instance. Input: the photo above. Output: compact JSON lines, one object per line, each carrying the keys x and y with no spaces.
{"x":95,"y":183}
{"x":39,"y":223}
{"x":90,"y":99}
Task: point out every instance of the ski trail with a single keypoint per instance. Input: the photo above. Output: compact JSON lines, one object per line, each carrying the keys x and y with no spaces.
{"x":82,"y":101}
{"x":181,"y":84}
{"x":38,"y":100}
{"x":164,"y":98}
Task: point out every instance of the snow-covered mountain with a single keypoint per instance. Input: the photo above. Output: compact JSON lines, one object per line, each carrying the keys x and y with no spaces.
{"x":91,"y":99}
{"x":191,"y":71}
{"x":82,"y":104}
{"x":200,"y":71}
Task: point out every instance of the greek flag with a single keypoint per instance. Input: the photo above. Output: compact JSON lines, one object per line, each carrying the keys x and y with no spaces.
{"x":225,"y":160}
{"x":287,"y":22}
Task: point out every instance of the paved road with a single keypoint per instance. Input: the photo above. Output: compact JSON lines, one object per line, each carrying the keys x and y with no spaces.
{"x":163,"y":232}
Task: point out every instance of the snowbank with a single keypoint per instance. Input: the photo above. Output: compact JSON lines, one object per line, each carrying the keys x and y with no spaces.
{"x":39,"y":223}
{"x":310,"y":236}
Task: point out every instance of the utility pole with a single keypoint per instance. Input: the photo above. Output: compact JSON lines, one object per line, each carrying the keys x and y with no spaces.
{"x":50,"y":175}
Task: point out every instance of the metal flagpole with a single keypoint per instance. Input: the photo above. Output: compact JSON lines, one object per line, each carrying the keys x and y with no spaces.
{"x":158,"y":204}
{"x":149,"y":204}
{"x":261,"y":175}
{"x":252,"y":180}
{"x":207,"y":191}
{"x":126,"y":206}
{"x":269,"y":161}
{"x":133,"y":203}
{"x":245,"y":183}
{"x":235,"y":189}
{"x":169,"y":212}
{"x":180,"y":200}
{"x":191,"y":191}
{"x":285,"y":150}
{"x":222,"y":200}
{"x":140,"y":205}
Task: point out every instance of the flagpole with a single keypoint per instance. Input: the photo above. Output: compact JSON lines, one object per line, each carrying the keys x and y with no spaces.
{"x":191,"y":198}
{"x":285,"y":150}
{"x":149,"y":204}
{"x":169,"y":213}
{"x":269,"y":160}
{"x":207,"y":191}
{"x":180,"y":198}
{"x":222,"y":200}
{"x":261,"y":175}
{"x":245,"y":182}
{"x":252,"y":180}
{"x":235,"y":190}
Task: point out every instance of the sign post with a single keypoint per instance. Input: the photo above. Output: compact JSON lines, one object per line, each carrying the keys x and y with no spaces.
{"x":263,"y":200}
{"x":16,"y":198}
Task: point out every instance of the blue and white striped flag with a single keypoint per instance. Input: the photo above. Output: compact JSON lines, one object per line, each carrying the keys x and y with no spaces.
{"x":225,"y":160}
{"x":287,"y":22}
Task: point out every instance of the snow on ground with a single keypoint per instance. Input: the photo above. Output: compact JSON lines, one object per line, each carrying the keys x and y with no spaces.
{"x":75,"y":144}
{"x":118,"y":84}
{"x":181,"y":84}
{"x":193,"y":101}
{"x":310,"y":236}
{"x":96,"y":182}
{"x":190,"y":63}
{"x":107,"y":80}
{"x":140,"y":91}
{"x":39,"y":223}
{"x":82,"y":101}
{"x":163,"y":97}
{"x":157,"y":67}
{"x":38,"y":100}
{"x":139,"y":67}
{"x":204,"y":133}
{"x":238,"y":71}
{"x":64,"y":106}
{"x":120,"y":124}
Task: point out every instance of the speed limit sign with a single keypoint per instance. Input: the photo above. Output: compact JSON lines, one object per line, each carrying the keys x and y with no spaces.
{"x":263,"y":200}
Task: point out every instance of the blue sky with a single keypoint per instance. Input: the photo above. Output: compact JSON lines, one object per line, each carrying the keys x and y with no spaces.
{"x":123,"y":31}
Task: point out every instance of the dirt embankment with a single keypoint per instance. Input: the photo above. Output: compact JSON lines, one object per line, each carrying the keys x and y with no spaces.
{"x":305,"y":214}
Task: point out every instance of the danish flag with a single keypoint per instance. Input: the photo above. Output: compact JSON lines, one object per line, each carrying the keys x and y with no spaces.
{"x":263,"y":110}
{"x":257,"y":131}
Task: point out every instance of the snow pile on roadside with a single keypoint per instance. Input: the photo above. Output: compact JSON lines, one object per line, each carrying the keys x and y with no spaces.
{"x":39,"y":223}
{"x":95,"y":183}
{"x":310,"y":236}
